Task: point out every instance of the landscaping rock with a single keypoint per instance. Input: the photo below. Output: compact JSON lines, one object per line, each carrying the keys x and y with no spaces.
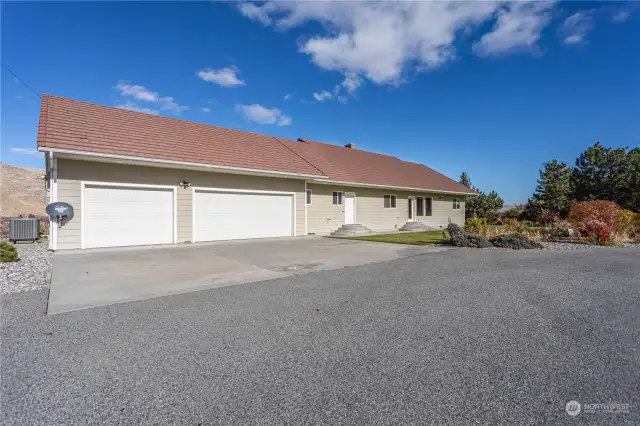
{"x":32,"y":271}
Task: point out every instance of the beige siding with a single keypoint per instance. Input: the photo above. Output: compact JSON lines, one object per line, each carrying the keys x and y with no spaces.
{"x":72,"y":172}
{"x":325,"y":217}
{"x":442,"y":211}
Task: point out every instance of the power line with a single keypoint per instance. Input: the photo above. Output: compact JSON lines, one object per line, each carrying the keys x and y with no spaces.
{"x":20,"y":80}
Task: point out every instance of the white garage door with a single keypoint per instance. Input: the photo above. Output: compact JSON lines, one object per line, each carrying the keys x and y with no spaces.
{"x":127,"y":216}
{"x":231,"y":216}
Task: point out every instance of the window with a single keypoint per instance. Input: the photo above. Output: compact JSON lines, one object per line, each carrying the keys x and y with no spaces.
{"x":337,"y":197}
{"x":427,"y":207}
{"x":308,"y":196}
{"x":419,"y":206}
{"x":456,"y":204}
{"x":389,"y":201}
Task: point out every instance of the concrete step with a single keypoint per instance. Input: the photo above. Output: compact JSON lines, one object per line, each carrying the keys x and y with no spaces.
{"x":414,"y":226}
{"x":350,"y":230}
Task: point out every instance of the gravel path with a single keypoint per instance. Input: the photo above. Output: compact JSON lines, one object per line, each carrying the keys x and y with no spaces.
{"x":31,"y":272}
{"x":570,"y":246}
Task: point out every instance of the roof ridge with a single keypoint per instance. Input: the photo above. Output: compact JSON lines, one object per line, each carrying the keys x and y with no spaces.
{"x":300,"y":156}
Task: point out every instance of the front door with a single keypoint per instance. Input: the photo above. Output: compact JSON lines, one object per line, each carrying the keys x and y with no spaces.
{"x":349,"y":208}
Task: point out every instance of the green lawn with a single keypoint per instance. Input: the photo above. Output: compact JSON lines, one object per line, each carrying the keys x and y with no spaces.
{"x":414,"y":238}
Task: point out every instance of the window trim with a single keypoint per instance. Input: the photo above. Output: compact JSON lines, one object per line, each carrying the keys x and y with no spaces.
{"x":393,"y":201}
{"x":308,"y":197}
{"x":456,"y":203}
{"x":339,"y":197}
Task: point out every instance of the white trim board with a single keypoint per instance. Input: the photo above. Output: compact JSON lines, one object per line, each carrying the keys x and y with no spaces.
{"x":84,"y":183}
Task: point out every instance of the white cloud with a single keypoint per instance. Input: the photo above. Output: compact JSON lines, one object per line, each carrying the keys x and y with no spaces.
{"x":620,"y":16}
{"x":287,"y":97}
{"x":132,"y":106}
{"x":262,"y":115}
{"x":323,"y":96}
{"x":225,"y":77}
{"x":517,"y":28}
{"x":382,"y":41}
{"x":205,"y":109}
{"x":26,"y":151}
{"x":141,"y":93}
{"x":576,"y":27}
{"x":351,"y":82}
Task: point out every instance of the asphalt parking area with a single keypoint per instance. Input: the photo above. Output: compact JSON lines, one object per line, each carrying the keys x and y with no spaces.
{"x":459,"y":337}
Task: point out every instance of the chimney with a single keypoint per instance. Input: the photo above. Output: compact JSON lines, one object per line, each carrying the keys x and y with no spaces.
{"x":350,"y":145}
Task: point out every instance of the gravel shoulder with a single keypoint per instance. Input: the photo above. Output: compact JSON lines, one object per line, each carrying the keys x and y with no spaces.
{"x":31,"y":272}
{"x":459,"y":337}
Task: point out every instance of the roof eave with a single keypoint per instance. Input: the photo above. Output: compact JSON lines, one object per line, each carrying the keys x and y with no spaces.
{"x":404,"y":188}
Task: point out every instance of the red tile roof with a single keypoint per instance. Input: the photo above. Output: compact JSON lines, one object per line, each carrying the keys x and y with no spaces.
{"x":351,"y":165}
{"x":80,"y":126}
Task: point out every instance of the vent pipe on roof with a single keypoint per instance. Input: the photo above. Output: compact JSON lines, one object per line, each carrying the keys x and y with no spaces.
{"x":350,"y":145}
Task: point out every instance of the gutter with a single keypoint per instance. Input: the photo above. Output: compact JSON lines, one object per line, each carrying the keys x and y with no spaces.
{"x":404,"y":188}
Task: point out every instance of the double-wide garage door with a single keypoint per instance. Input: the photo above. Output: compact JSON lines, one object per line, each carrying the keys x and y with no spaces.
{"x":238,"y":215}
{"x":128,"y":216}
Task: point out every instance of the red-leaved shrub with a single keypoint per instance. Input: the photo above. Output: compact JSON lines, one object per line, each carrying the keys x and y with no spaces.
{"x":597,"y":220}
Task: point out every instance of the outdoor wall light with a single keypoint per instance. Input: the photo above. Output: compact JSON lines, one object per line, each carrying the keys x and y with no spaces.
{"x":185,"y":184}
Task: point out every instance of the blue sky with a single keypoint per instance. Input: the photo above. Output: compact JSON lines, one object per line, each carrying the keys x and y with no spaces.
{"x":494,"y":89}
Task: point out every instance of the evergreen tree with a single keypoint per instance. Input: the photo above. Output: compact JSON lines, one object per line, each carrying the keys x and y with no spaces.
{"x":465,"y":180}
{"x":603,"y":174}
{"x":481,"y":205}
{"x":554,"y":191}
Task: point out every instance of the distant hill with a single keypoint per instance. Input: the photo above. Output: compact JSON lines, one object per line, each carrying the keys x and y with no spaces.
{"x":22,"y":191}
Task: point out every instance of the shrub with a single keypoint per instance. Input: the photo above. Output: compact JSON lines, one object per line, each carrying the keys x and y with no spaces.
{"x":8,"y":252}
{"x":514,"y":241}
{"x":453,"y":229}
{"x":466,"y":239}
{"x":597,"y":220}
{"x":596,"y":230}
{"x":523,"y":227}
{"x":477,"y":225}
{"x":604,"y":211}
{"x":547,"y":217}
{"x":558,"y":231}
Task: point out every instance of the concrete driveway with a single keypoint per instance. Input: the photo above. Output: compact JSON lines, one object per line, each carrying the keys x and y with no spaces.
{"x":86,"y":279}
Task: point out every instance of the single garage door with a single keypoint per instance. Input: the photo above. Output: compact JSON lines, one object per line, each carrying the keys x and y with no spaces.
{"x":231,"y":216}
{"x":127,"y":216}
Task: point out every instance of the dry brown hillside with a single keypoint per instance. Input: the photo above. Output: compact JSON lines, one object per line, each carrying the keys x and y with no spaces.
{"x":22,"y":191}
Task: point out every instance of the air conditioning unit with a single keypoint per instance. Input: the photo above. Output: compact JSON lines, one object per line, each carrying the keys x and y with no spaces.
{"x":24,"y":230}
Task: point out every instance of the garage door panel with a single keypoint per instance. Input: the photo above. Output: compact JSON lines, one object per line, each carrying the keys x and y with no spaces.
{"x":229,"y":216}
{"x":123,"y":216}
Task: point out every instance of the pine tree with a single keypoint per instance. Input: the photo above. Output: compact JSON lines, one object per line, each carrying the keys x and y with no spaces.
{"x":554,"y":191}
{"x":603,"y":174}
{"x":465,"y":180}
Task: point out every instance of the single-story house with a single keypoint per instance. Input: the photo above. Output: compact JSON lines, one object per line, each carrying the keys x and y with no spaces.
{"x":141,"y":179}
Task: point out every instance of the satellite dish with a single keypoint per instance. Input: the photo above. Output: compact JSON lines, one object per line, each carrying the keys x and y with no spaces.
{"x":60,"y":212}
